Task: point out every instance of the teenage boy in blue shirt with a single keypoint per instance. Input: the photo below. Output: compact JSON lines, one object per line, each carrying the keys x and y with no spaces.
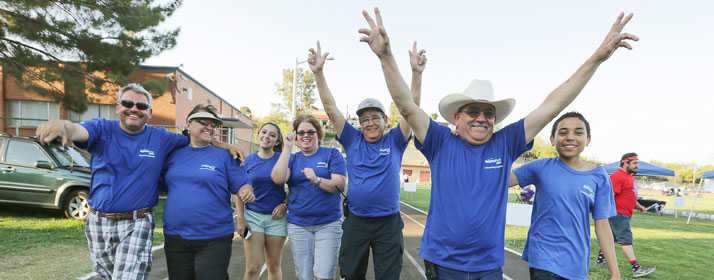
{"x":374,"y":159}
{"x":127,"y":158}
{"x":569,"y":191}
{"x":470,"y":170}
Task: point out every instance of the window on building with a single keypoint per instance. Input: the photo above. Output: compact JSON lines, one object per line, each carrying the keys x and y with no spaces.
{"x":25,"y":113}
{"x":107,"y":111}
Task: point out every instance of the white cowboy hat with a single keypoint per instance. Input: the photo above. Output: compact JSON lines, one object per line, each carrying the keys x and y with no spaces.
{"x":479,"y":91}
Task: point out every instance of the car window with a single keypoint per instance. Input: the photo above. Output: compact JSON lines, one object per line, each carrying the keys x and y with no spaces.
{"x":69,"y":156}
{"x":27,"y":153}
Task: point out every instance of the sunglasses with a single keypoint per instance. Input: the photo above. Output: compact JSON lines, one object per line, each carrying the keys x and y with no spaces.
{"x":374,"y":118}
{"x":474,"y":112}
{"x":130,"y":104}
{"x":308,"y":132}
{"x":204,"y":122}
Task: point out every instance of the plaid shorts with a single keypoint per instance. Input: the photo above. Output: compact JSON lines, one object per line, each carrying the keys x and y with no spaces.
{"x":120,"y":249}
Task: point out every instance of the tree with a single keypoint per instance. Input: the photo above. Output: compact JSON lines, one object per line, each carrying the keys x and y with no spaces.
{"x":61,"y":48}
{"x":305,"y":92}
{"x":394,"y":116}
{"x":246,"y":111}
{"x":541,"y":149}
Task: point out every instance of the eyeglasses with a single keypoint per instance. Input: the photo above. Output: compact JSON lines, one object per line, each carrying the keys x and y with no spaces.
{"x":308,"y":132}
{"x":130,"y":104}
{"x":474,"y":112}
{"x":373,"y":118}
{"x":204,"y":122}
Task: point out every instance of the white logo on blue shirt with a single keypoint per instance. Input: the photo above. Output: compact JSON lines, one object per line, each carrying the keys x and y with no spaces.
{"x":492,"y":163}
{"x":207,"y":167}
{"x":147,"y":153}
{"x":385,"y":151}
{"x":322,"y":164}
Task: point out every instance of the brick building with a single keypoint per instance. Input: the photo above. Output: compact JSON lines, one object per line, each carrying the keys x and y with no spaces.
{"x":24,"y":110}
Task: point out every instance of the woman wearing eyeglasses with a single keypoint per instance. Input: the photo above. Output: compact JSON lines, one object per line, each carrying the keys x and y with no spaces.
{"x":265,"y":217}
{"x":315,"y":176}
{"x":198,"y":217}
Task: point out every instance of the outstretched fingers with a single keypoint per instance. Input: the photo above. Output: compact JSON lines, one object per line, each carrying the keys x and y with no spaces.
{"x":369,"y":19}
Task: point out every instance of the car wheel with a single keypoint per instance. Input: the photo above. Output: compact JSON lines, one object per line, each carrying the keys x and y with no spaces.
{"x":75,"y":205}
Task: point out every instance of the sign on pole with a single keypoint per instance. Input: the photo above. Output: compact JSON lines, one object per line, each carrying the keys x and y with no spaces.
{"x":410,"y":187}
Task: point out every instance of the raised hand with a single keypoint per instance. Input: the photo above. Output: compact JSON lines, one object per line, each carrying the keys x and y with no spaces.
{"x":615,"y":39}
{"x":417,"y":59}
{"x":376,"y":35}
{"x":316,"y":59}
{"x":289,"y":139}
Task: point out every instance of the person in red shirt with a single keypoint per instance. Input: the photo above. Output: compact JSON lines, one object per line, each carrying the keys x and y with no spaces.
{"x":623,"y":186}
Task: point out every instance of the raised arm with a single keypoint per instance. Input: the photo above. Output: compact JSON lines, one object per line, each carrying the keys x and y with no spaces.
{"x":562,"y":96}
{"x":62,"y":130}
{"x":378,"y":41}
{"x":316,"y":60}
{"x":417,"y":59}
{"x":281,"y":173}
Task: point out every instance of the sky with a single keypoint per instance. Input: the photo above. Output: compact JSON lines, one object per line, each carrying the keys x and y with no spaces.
{"x":656,"y":100}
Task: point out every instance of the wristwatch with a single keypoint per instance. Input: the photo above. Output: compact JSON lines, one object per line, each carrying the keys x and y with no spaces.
{"x":318,"y":181}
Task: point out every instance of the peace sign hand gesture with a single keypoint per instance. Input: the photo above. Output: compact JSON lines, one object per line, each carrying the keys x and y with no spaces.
{"x":615,"y":39}
{"x":376,"y":36}
{"x":417,"y":59}
{"x":316,"y":59}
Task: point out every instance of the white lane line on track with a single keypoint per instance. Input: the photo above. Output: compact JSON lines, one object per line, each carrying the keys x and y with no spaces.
{"x":418,"y":223}
{"x":265,"y":265}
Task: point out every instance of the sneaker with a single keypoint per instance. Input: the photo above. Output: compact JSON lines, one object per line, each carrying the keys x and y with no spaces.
{"x":643,"y":271}
{"x":601,"y":262}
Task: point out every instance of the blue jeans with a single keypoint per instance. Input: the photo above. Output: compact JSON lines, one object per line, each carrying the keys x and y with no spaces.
{"x":315,"y":249}
{"x":452,"y":274}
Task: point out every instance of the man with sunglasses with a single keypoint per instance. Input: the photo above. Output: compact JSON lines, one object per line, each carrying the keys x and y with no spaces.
{"x":127,"y":158}
{"x":374,"y":158}
{"x":464,"y":234}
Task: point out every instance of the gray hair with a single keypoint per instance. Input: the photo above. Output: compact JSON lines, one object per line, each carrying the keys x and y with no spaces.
{"x":138,"y":89}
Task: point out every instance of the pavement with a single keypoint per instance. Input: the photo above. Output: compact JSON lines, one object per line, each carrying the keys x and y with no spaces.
{"x":412,"y":266}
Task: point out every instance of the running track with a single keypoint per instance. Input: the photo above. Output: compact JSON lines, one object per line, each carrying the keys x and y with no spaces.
{"x":412,"y":267}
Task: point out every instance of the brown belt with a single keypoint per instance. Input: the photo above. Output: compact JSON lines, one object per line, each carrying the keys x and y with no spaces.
{"x":136,"y":214}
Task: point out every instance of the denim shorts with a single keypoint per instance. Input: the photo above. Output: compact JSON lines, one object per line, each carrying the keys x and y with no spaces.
{"x":265,"y":224}
{"x":620,"y":226}
{"x":315,"y":249}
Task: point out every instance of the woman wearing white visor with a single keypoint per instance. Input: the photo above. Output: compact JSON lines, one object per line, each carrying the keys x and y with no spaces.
{"x":198,"y":217}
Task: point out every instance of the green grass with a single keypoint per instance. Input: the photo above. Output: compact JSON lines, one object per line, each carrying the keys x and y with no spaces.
{"x":679,"y":251}
{"x":43,"y":244}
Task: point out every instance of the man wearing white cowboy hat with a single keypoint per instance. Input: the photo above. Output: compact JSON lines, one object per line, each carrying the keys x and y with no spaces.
{"x":374,"y":158}
{"x":470,"y":170}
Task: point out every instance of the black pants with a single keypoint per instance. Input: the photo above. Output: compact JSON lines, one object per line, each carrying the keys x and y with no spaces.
{"x":198,"y":259}
{"x":539,"y":274}
{"x":383,"y":235}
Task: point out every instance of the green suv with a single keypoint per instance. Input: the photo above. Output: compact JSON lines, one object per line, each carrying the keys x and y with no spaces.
{"x":34,"y":175}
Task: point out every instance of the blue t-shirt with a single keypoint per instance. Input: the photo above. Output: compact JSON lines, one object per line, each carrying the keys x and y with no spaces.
{"x":200,"y":182}
{"x":126,"y":167}
{"x":469,"y":183}
{"x":309,"y":205}
{"x":373,"y":170}
{"x":559,"y":236}
{"x":267,"y":193}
